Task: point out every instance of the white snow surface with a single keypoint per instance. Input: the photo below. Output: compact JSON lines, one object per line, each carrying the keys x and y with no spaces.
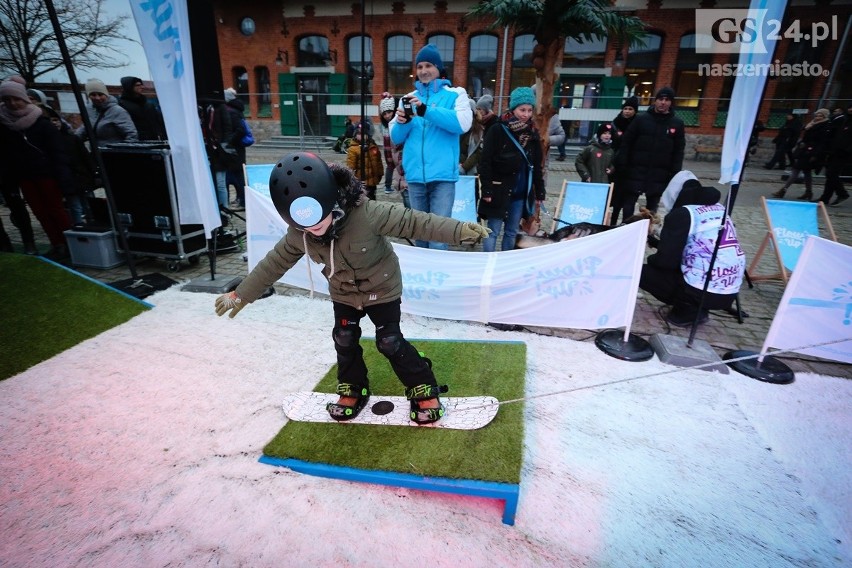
{"x":140,"y":447}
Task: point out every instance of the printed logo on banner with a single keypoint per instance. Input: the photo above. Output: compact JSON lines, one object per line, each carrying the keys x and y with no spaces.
{"x":841,"y":300}
{"x":580,"y":213}
{"x":423,"y":285}
{"x":565,"y":281}
{"x":790,"y":238}
{"x":161,"y":12}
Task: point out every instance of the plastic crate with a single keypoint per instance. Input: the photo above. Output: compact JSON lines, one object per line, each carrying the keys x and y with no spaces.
{"x":93,"y":250}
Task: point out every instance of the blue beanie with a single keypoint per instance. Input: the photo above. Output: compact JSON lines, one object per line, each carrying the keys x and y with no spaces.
{"x":521,"y":96}
{"x":430,"y":53}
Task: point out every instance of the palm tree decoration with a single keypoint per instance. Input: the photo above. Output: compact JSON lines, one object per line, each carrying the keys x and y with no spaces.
{"x":551,"y":22}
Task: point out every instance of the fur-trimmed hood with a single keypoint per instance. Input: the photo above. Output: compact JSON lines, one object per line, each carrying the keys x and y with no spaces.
{"x":351,"y":188}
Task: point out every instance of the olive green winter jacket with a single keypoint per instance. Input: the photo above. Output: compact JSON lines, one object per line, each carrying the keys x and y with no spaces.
{"x":360,"y":264}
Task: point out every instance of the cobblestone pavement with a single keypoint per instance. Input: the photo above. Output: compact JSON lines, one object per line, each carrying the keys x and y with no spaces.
{"x":723,"y":332}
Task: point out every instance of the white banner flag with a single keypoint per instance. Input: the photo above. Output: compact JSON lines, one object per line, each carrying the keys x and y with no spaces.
{"x":748,"y":89}
{"x":588,"y":283}
{"x":164,"y":30}
{"x":817,"y":304}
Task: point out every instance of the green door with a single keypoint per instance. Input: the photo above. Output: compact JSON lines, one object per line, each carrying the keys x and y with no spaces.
{"x":288,"y":104}
{"x":612,"y":91}
{"x":337,"y":94}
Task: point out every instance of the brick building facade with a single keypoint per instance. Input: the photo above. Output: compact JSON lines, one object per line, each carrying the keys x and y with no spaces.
{"x":290,"y":60}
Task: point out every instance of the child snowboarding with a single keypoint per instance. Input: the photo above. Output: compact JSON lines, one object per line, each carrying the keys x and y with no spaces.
{"x":331,"y":222}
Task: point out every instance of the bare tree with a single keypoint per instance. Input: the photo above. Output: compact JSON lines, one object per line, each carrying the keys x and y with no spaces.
{"x":28,"y":43}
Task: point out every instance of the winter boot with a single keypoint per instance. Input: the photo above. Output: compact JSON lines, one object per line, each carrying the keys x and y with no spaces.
{"x":806,"y":196}
{"x":421,"y":393}
{"x":343,"y":412}
{"x":780,"y":193}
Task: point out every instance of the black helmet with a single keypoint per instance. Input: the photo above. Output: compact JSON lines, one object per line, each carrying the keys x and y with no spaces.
{"x":303,"y":189}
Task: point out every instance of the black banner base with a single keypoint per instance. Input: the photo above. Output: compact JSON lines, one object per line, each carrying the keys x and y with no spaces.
{"x":635,"y":349}
{"x":770,"y":370}
{"x":144,"y":286}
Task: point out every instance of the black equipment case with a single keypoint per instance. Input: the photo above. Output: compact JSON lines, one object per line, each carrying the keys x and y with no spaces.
{"x":141,"y":177}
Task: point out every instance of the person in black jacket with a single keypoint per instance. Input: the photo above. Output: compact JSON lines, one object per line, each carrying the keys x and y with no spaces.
{"x":623,"y":121}
{"x":227,"y":130}
{"x":784,"y":142}
{"x":809,"y":154}
{"x":511,"y":180}
{"x":839,"y":155}
{"x":34,"y":159}
{"x":620,"y":125}
{"x":82,"y":170}
{"x":651,"y":153}
{"x":146,"y":116}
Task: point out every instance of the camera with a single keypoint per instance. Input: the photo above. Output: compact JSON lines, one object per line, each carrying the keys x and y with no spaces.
{"x":406,"y":107}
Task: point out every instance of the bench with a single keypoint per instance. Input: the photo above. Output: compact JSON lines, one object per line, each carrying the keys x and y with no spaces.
{"x":710,"y":151}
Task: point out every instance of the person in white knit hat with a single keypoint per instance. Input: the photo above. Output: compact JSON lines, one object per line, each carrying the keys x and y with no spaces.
{"x":387,"y":106}
{"x":110,"y":122}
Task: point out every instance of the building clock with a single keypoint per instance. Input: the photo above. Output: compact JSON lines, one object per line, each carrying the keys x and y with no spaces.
{"x":247,"y":26}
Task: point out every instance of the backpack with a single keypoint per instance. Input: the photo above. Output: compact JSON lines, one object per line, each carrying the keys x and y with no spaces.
{"x":248,"y":139}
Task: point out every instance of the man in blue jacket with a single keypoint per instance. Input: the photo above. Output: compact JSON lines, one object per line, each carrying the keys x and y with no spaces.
{"x":429,"y":121}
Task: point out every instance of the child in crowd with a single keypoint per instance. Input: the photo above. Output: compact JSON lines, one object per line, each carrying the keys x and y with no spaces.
{"x":364,"y":147}
{"x":331,"y":222}
{"x":594,"y":162}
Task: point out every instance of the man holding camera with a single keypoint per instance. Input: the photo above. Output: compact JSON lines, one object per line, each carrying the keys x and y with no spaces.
{"x":429,"y":121}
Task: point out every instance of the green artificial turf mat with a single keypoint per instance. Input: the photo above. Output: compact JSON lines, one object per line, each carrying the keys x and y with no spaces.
{"x":48,"y":309}
{"x":470,"y":368}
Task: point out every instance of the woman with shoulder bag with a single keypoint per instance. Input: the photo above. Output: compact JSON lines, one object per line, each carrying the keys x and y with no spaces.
{"x":510,"y":171}
{"x":809,"y":153}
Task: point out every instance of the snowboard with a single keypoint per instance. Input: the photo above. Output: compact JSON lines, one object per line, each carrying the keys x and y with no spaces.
{"x":394,"y":410}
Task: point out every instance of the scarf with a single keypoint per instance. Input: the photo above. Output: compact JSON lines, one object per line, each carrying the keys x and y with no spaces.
{"x":19,"y":120}
{"x":521,"y":130}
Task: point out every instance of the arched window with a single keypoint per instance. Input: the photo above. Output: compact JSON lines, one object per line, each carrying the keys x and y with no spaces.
{"x":400,"y":79}
{"x":523,"y":74}
{"x":446,"y":45}
{"x":313,"y":52}
{"x":590,"y":53}
{"x":689,"y":83}
{"x":264,"y":95}
{"x":359,"y":58}
{"x":482,"y":69}
{"x":641,"y":68}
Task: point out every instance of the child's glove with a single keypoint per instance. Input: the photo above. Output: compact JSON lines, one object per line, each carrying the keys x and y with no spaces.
{"x":474,"y":232}
{"x":229,"y":302}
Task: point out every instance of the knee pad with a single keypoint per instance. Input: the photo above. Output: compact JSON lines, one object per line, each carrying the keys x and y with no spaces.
{"x":389,"y":342}
{"x":346,"y":336}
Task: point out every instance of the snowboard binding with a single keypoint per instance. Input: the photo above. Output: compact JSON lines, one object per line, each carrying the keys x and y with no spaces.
{"x":342,"y":412}
{"x":425,"y":392}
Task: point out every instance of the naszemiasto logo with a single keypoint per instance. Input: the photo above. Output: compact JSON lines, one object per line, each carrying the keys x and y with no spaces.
{"x":752,"y":31}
